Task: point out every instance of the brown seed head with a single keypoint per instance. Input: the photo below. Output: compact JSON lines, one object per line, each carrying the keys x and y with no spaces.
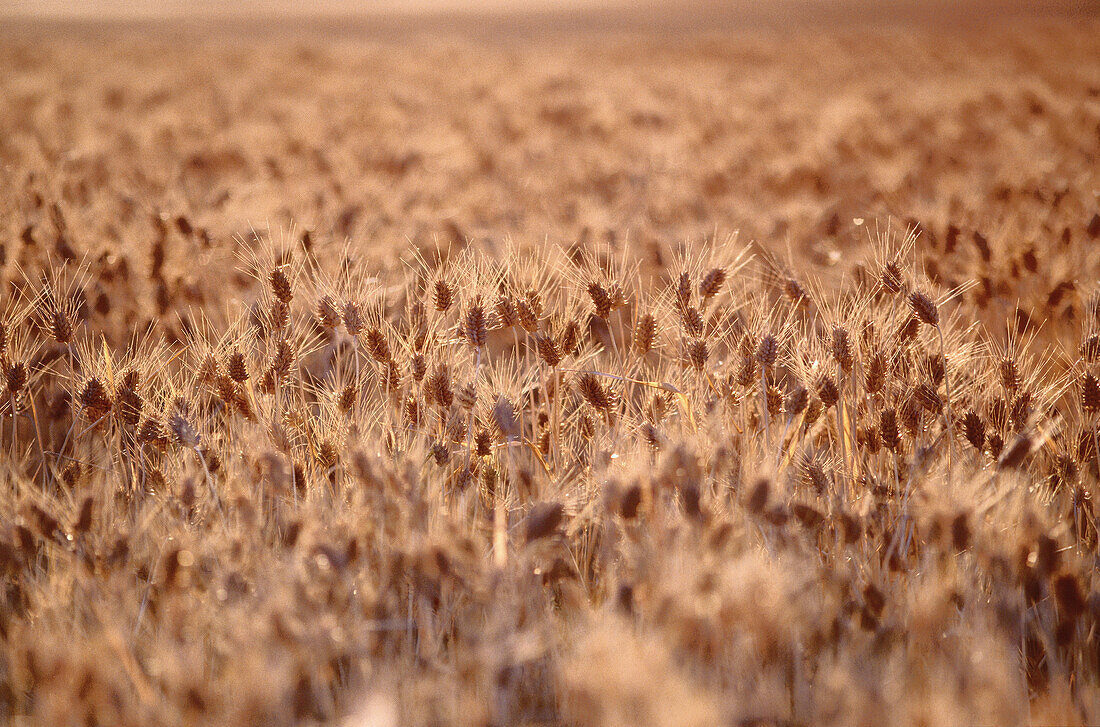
{"x":378,"y":347}
{"x":594,"y":392}
{"x":152,"y":432}
{"x":774,"y":398}
{"x":794,"y":291}
{"x":659,"y":407}
{"x":697,"y":353}
{"x":842,"y":348}
{"x":528,"y":315}
{"x":95,"y":399}
{"x":891,"y":277}
{"x":328,"y":315}
{"x":570,"y":339}
{"x":483,"y":443}
{"x":506,"y":311}
{"x":934,"y":367}
{"x":504,"y":416}
{"x":1064,"y":471}
{"x":1021,"y":409}
{"x":443,"y":295}
{"x":279,"y":314}
{"x":683,"y":291}
{"x":412,"y":410}
{"x":911,"y":414}
{"x":183,"y":430}
{"x":888,"y":430}
{"x":327,"y":454}
{"x":1010,"y":374}
{"x":475,"y":328}
{"x":241,"y":403}
{"x":349,"y":394}
{"x":15,"y":375}
{"x":208,"y":369}
{"x":1090,"y":348}
{"x":418,"y":366}
{"x":645,"y":332}
{"x":827,"y":390}
{"x":796,"y":401}
{"x":467,"y":397}
{"x":974,"y":430}
{"x":907,"y":331}
{"x":1090,"y":393}
{"x":692,"y":321}
{"x":875,"y":373}
{"x":60,"y":325}
{"x":711,"y":284}
{"x":283,"y":357}
{"x":869,"y":437}
{"x":601,"y":300}
{"x":440,"y":453}
{"x":995,"y":444}
{"x":814,"y":411}
{"x":393,"y":376}
{"x":353,"y":318}
{"x":768,"y":350}
{"x":226,"y":389}
{"x":814,"y":476}
{"x":746,"y":371}
{"x":281,"y":287}
{"x":236,"y":367}
{"x":437,"y":387}
{"x":924,"y":308}
{"x":548,"y":350}
{"x":128,"y":400}
{"x":618,"y":296}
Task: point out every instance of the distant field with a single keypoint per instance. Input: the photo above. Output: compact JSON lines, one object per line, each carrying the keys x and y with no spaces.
{"x":419,"y":366}
{"x":695,"y":13}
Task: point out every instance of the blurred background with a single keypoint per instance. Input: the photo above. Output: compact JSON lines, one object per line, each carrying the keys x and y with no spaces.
{"x":690,"y":13}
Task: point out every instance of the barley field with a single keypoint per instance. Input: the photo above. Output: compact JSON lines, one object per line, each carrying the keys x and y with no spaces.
{"x":551,"y":372}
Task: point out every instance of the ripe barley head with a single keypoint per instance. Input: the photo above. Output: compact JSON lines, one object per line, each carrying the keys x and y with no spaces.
{"x":924,"y":308}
